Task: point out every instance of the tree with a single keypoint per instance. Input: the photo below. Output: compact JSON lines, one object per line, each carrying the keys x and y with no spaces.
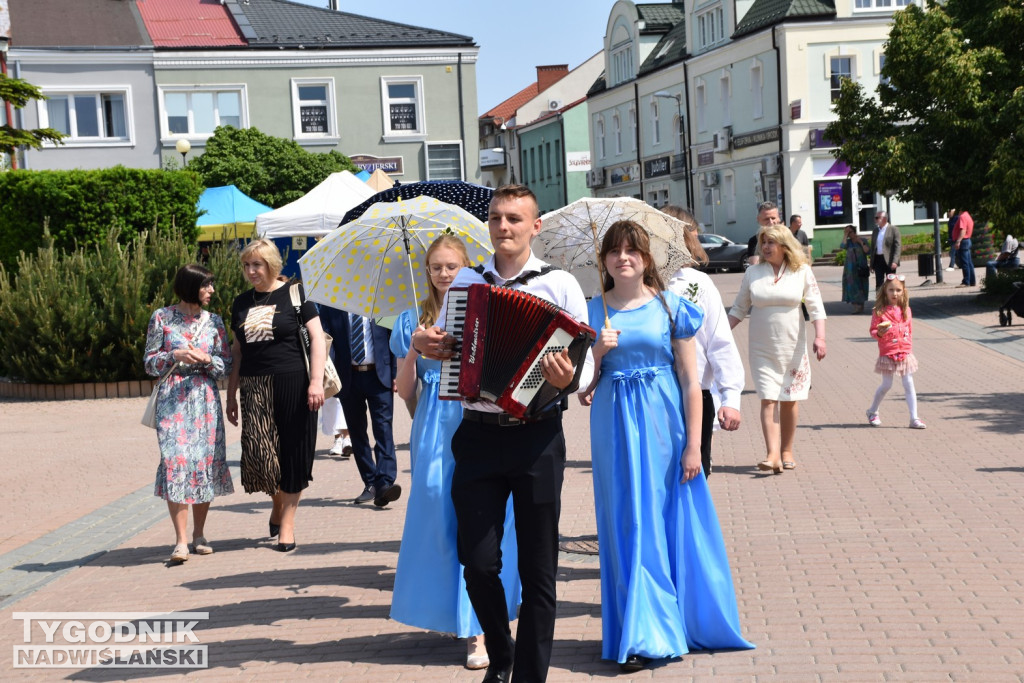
{"x":948,"y":123}
{"x":271,"y":170}
{"x":19,"y":93}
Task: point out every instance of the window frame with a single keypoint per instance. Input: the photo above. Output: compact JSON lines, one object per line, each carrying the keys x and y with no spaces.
{"x":725,"y":97}
{"x":331,"y":134}
{"x":167,"y":137}
{"x":390,"y":135}
{"x":836,"y":88}
{"x":439,"y":143}
{"x":757,"y":90}
{"x":98,"y":92}
{"x":700,"y":98}
{"x":617,"y":132}
{"x":877,"y":6}
{"x":709,"y":27}
{"x":655,"y":122}
{"x":599,"y":137}
{"x":632,"y":127}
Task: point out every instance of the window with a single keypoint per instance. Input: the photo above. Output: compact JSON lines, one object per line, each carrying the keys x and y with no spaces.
{"x":841,"y":67}
{"x":632,"y":128}
{"x":658,"y":196}
{"x":88,"y":116}
{"x":599,"y":138}
{"x":402,"y":103}
{"x":444,"y":161}
{"x":547,"y":160}
{"x":757,"y":91}
{"x":558,"y":158}
{"x":617,"y":131}
{"x":729,"y":195}
{"x":924,"y":211}
{"x":196,"y":112}
{"x":710,"y":27}
{"x":622,"y":64}
{"x":879,"y":5}
{"x":700,"y":95}
{"x":725,"y":98}
{"x":655,"y":124}
{"x":882,"y":78}
{"x":313,"y":108}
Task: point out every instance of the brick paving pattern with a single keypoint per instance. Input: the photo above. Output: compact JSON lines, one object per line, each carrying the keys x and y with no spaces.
{"x":887,"y":555}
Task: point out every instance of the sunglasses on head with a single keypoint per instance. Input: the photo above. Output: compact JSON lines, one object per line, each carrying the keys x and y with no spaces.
{"x":894,"y":276}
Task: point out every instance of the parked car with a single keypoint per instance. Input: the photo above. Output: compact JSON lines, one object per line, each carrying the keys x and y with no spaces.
{"x":723,"y":253}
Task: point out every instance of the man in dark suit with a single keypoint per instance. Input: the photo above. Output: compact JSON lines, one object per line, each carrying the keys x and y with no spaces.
{"x":361,"y":352}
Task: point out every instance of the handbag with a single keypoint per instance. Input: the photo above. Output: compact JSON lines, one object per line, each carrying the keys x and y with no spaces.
{"x":332,"y":381}
{"x":149,"y":415}
{"x":863,"y":271}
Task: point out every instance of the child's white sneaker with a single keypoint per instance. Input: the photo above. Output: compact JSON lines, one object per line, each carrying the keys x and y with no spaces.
{"x":918,"y":424}
{"x":873,"y":419}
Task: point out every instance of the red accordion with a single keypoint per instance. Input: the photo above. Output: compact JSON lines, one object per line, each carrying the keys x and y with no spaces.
{"x":503,"y":334}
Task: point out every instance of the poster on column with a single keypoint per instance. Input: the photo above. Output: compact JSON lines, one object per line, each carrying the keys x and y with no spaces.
{"x":832,"y":202}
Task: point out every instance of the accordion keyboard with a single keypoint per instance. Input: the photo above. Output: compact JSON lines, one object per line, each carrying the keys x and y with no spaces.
{"x":455,"y":320}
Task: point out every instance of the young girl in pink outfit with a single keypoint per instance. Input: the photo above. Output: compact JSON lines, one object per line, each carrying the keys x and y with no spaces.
{"x":892,"y":326}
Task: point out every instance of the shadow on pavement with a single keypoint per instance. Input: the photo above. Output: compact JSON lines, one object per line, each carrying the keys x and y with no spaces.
{"x":998,"y":412}
{"x":371,"y":577}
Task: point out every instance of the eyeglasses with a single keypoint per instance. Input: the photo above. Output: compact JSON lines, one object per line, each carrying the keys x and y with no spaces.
{"x":894,"y":276}
{"x":437,"y":268}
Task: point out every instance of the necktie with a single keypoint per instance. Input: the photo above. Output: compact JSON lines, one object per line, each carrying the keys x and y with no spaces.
{"x":358,"y":341}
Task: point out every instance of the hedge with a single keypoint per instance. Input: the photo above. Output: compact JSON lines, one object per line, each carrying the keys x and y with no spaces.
{"x":80,"y":207}
{"x":81,"y":316}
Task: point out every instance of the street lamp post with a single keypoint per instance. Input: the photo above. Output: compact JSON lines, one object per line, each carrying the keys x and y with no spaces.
{"x":183,"y":146}
{"x":686,"y":148}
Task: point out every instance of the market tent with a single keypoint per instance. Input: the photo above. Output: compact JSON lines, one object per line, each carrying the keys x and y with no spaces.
{"x":229,"y":214}
{"x":317,"y":212}
{"x":380,"y":181}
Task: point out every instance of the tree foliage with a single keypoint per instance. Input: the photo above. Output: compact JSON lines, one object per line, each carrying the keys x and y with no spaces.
{"x":271,"y":170}
{"x":948,"y":125}
{"x":19,"y":93}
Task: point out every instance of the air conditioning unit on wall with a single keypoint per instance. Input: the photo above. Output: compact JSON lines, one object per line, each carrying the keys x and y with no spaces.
{"x":554,"y":105}
{"x":595,"y":178}
{"x":710,"y":178}
{"x":721,"y":140}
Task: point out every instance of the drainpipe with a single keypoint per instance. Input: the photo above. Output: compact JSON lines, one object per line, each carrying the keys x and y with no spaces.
{"x":778,"y":74}
{"x":686,"y":141}
{"x":639,"y":148}
{"x":565,"y":167}
{"x":462,"y":116}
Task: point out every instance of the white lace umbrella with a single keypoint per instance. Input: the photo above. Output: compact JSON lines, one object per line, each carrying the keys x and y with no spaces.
{"x":570,"y":237}
{"x":371,"y":265}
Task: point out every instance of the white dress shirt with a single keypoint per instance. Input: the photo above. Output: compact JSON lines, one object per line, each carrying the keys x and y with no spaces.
{"x":557,"y":286}
{"x":880,"y":239}
{"x":719,"y":365}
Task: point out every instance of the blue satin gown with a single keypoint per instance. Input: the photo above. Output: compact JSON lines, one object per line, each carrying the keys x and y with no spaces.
{"x":665,"y":582}
{"x":430,"y":590}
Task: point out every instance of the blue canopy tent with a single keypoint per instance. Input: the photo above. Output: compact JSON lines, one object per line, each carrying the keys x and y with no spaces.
{"x":229,"y":214}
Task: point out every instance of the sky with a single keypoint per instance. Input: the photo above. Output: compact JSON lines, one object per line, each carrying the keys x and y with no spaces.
{"x":514,"y":37}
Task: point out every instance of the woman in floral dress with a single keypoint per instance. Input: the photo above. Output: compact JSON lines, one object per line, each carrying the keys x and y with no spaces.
{"x":771,"y":293}
{"x":192,"y":345}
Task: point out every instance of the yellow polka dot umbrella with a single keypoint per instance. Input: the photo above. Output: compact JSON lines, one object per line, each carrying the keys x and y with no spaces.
{"x":376,"y":264}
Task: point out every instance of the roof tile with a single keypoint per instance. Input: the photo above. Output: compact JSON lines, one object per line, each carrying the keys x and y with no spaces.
{"x":765,"y":13}
{"x":189,"y":23}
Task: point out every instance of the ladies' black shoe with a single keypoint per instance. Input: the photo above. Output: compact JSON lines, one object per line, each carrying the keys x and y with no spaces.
{"x":285,"y":547}
{"x":275,"y":529}
{"x":633,"y":664}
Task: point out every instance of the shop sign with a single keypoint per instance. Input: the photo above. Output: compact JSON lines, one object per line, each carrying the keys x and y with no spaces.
{"x":577,"y":161}
{"x":818,"y":139}
{"x":758,"y":137}
{"x":655,"y":168}
{"x":625,"y":174}
{"x":706,"y":158}
{"x":370,"y":163}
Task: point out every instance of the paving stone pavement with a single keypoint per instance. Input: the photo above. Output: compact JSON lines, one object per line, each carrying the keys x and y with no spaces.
{"x":887,"y":555}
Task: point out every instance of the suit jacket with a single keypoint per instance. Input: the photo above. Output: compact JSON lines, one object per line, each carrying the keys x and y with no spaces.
{"x":336,"y":324}
{"x":892,"y":245}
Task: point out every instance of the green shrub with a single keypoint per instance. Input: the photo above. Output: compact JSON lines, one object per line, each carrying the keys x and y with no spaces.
{"x":81,"y":316}
{"x":840,"y":258}
{"x":80,"y":207}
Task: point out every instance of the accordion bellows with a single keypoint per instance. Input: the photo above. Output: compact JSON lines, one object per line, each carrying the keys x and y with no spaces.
{"x":503,"y":334}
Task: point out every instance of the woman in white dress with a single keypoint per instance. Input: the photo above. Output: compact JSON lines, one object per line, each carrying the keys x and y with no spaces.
{"x":771,"y":293}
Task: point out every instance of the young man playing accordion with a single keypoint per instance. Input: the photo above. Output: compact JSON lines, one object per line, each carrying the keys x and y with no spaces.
{"x":496,"y":456}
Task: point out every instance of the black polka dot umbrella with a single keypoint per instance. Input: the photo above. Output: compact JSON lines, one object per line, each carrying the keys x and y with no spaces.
{"x":473,"y":198}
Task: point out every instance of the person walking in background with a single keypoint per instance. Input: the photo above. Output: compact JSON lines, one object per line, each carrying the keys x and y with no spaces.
{"x":950,"y":224}
{"x":886,"y":248}
{"x":430,"y":590}
{"x":855,"y":269}
{"x":719,"y":366}
{"x":332,"y":424}
{"x":771,"y":293}
{"x":767,"y":215}
{"x":1007,"y":257}
{"x":279,"y":399}
{"x":367,"y":368}
{"x":190,"y":345}
{"x":665,"y":582}
{"x":796,"y":224}
{"x":892,"y":326}
{"x":961,"y":237}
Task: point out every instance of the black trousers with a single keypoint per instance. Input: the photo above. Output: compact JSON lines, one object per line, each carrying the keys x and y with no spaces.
{"x":881,"y":268}
{"x":707,"y":428}
{"x":528,"y":462}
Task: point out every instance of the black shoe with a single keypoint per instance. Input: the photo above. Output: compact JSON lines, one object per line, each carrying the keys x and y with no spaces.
{"x":633,"y":664}
{"x":275,"y":529}
{"x":388,"y":495}
{"x":285,"y":547}
{"x":366,"y":496}
{"x":347,"y":452}
{"x":498,"y":674}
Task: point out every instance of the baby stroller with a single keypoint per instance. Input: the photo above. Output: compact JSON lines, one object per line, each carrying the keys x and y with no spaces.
{"x":1015,"y":304}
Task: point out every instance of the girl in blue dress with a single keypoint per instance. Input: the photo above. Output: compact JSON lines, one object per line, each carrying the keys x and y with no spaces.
{"x":666,"y":588}
{"x":430,"y":591}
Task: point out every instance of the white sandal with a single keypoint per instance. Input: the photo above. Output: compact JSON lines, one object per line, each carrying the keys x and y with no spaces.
{"x":200,"y":546}
{"x":179,"y":554}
